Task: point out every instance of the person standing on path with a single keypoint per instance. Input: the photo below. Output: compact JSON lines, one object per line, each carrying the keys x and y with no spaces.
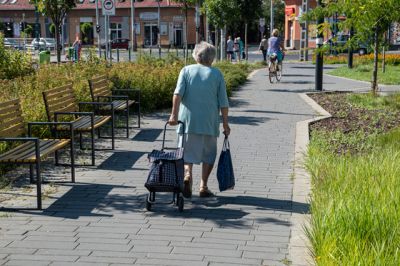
{"x":199,"y":96}
{"x":263,"y":47}
{"x":229,"y":48}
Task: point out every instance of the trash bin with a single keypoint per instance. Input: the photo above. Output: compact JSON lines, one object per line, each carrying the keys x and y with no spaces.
{"x":44,"y":57}
{"x":71,"y":53}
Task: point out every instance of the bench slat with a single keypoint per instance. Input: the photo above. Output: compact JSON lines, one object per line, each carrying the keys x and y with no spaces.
{"x":8,"y":104}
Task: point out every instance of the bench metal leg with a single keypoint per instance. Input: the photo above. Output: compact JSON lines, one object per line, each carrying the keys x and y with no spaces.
{"x":31,"y":179}
{"x":138,"y":115}
{"x":80,"y":141}
{"x":127,"y":122}
{"x":112,"y":130}
{"x":93,"y":152}
{"x":72,"y":158}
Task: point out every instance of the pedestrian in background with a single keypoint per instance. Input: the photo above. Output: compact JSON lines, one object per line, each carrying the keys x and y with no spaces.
{"x":241,"y":48}
{"x":264,"y":47}
{"x":77,"y":45}
{"x":229,"y":48}
{"x":236,"y":49}
{"x":199,"y":97}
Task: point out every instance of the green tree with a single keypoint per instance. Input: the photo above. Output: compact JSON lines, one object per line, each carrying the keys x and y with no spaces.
{"x":220,"y":13}
{"x":279,"y":14}
{"x":86,"y":27}
{"x":250,"y":10}
{"x":369,"y":18}
{"x":56,"y":10}
{"x":186,"y":4}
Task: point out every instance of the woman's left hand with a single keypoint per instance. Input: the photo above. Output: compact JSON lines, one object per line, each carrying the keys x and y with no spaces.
{"x":173,"y":120}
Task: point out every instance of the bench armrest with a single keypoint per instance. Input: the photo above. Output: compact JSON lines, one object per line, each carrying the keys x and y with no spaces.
{"x":124,"y":97}
{"x":31,"y":124}
{"x":126,"y":92}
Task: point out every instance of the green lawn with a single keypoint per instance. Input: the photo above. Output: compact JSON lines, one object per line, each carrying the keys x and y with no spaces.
{"x":364,"y":72}
{"x":355,"y":202}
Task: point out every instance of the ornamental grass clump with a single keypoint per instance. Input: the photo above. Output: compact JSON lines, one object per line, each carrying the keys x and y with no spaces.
{"x":356,"y":205}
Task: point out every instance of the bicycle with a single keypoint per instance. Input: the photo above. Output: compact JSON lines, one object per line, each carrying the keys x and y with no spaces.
{"x":274,"y":68}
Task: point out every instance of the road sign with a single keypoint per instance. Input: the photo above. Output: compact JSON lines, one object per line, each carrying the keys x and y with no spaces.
{"x":108,"y":7}
{"x":262,"y":22}
{"x":261,"y":28}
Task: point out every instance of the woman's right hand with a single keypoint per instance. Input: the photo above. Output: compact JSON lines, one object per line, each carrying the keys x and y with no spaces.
{"x":227,"y":129}
{"x":173,"y":120}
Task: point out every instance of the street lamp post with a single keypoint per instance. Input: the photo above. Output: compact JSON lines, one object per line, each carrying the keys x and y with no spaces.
{"x":271,"y":28}
{"x":158,"y":29}
{"x":98,"y":27}
{"x":319,"y":57}
{"x":133,"y":27}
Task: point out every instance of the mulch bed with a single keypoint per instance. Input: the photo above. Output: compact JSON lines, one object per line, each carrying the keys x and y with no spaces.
{"x":350,"y":119}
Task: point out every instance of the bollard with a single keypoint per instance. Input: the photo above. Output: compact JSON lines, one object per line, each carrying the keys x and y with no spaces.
{"x":150,"y":50}
{"x":117,"y":54}
{"x":129,"y":55}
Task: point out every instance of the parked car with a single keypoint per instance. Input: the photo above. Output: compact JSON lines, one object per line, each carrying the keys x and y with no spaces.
{"x":118,"y":44}
{"x":335,"y":45}
{"x":9,"y":43}
{"x":49,"y":43}
{"x":38,"y":44}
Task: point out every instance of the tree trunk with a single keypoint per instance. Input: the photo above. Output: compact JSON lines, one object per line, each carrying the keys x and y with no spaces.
{"x":217,"y":43}
{"x":245,"y":41}
{"x":374,"y":84}
{"x":58,"y":50}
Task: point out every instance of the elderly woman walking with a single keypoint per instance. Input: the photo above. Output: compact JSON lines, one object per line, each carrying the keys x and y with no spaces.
{"x":199,"y":97}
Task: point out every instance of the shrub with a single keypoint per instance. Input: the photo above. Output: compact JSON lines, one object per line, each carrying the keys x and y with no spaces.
{"x":13,"y":63}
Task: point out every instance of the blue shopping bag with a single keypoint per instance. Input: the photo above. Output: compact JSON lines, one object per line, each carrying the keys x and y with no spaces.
{"x":225,"y":175}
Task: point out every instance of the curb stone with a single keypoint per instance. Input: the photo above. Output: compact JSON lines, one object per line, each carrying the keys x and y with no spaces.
{"x":299,"y":246}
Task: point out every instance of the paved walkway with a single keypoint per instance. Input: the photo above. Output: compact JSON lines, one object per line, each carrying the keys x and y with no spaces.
{"x":101,"y":220}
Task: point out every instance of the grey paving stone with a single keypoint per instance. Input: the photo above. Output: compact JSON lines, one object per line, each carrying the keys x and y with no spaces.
{"x":26,"y":262}
{"x":233,"y":261}
{"x":47,"y":245}
{"x":62,"y":252}
{"x":41,"y":257}
{"x":164,"y":262}
{"x":208,"y":252}
{"x":107,"y":260}
{"x":100,"y":246}
{"x":78,"y":264}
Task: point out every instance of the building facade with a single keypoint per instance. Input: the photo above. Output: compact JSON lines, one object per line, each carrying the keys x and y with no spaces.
{"x":295,"y":31}
{"x":82,"y":21}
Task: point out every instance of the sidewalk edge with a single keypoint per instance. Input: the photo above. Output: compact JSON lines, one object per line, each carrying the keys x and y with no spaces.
{"x":299,"y":246}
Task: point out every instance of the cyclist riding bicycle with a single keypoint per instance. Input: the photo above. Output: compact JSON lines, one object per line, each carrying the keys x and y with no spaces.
{"x":275,"y":46}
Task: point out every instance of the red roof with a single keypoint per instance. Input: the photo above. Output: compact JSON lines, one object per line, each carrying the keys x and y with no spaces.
{"x":86,"y":4}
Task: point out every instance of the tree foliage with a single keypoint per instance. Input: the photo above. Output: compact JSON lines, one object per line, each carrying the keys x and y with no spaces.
{"x":56,"y":10}
{"x":369,"y":18}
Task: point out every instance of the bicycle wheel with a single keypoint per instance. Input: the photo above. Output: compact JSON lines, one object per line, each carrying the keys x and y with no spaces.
{"x":279,"y":71}
{"x":272,"y":73}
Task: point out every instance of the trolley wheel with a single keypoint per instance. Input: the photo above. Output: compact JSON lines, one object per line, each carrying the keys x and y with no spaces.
{"x":180,"y":203}
{"x":148,"y":203}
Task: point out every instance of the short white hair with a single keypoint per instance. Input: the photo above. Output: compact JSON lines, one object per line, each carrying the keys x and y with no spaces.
{"x":204,"y":53}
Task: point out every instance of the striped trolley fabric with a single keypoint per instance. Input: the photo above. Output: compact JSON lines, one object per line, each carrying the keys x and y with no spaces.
{"x":166,"y":171}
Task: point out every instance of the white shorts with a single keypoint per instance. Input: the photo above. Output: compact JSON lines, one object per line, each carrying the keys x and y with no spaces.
{"x":199,"y":148}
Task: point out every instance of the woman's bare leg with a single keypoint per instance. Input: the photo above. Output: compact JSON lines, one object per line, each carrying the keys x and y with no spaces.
{"x":205,"y":173}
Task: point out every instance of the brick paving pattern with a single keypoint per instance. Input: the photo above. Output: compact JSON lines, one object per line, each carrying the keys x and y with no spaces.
{"x":101,"y":220}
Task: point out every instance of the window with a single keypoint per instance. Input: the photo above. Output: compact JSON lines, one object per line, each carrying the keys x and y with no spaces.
{"x":116,"y":31}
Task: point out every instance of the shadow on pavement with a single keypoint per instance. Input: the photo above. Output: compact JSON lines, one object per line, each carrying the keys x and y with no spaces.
{"x":121,"y":160}
{"x":275,"y":112}
{"x":148,"y":135}
{"x":293,"y":91}
{"x":248,"y":120}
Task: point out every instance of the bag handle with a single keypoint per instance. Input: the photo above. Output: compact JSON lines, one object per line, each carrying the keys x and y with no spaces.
{"x":226,"y":145}
{"x":165,"y":130}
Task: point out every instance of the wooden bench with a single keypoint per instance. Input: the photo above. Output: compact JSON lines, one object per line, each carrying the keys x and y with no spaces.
{"x":61,"y":102}
{"x":32,"y":150}
{"x":120,"y":99}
